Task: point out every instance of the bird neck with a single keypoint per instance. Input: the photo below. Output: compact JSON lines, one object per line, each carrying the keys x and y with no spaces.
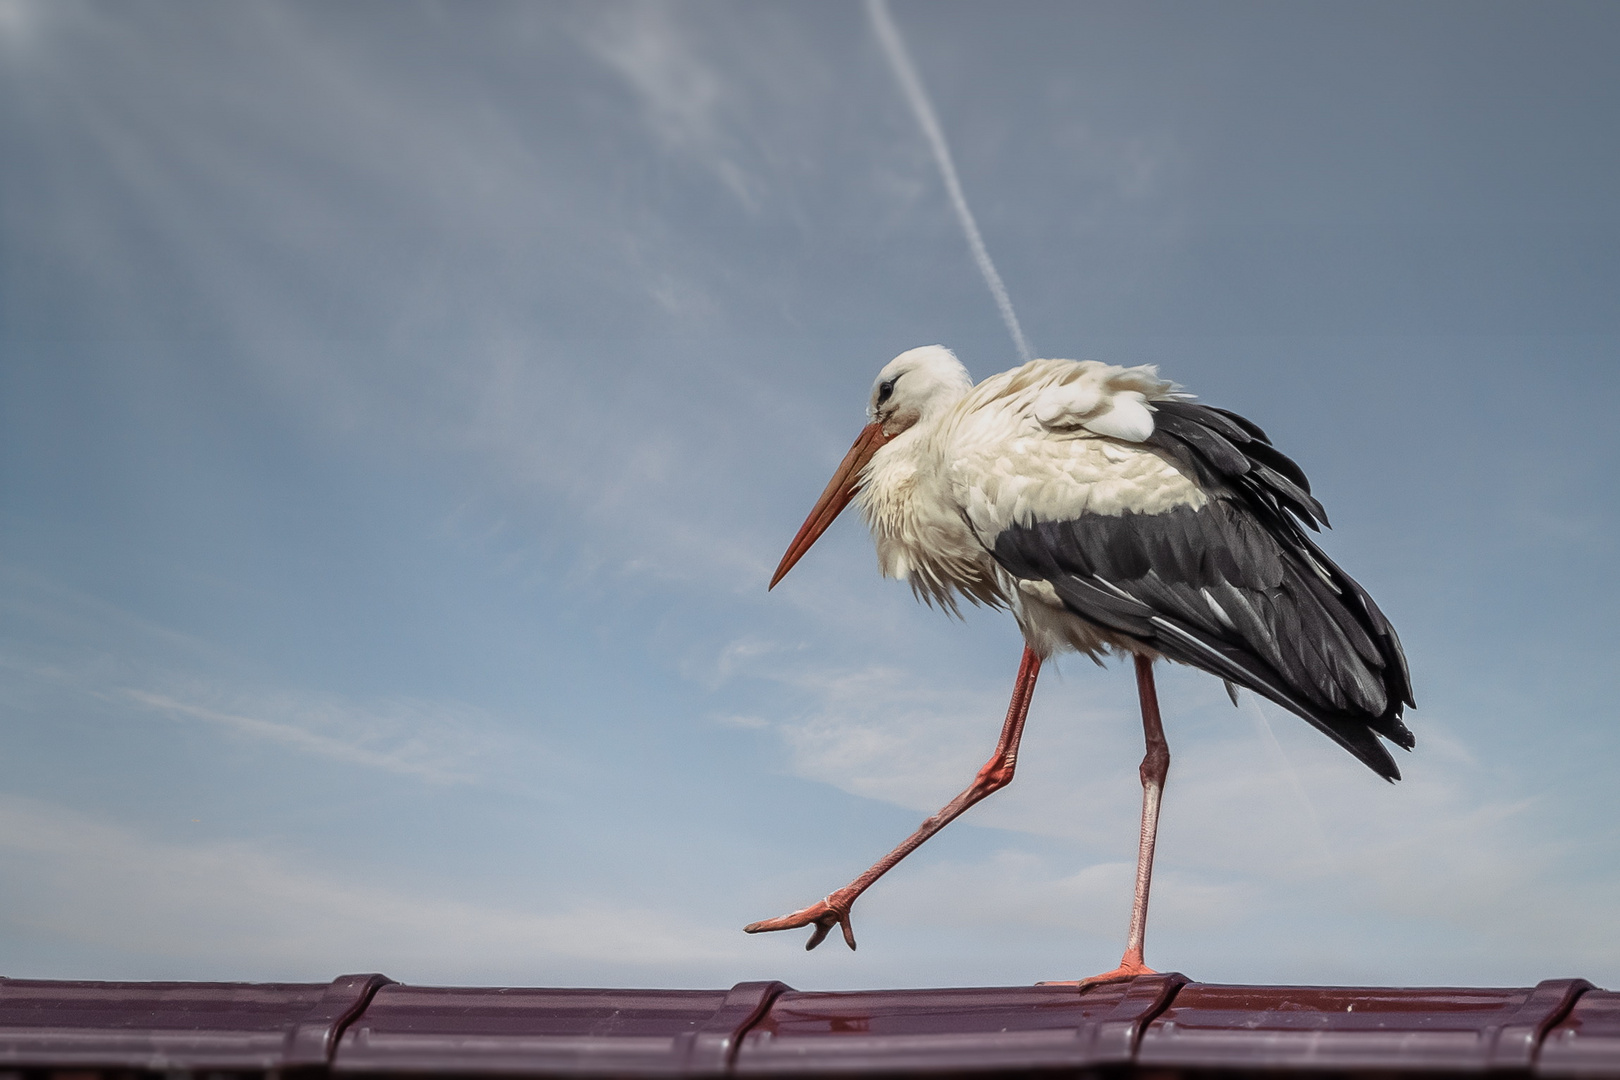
{"x":895,"y":493}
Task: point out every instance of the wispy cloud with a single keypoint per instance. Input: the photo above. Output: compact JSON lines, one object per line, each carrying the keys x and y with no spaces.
{"x":66,"y":649}
{"x":685,"y":97}
{"x":18,"y":23}
{"x":239,"y":908}
{"x":433,"y":742}
{"x":914,"y":737}
{"x":1262,"y":818}
{"x":879,"y":733}
{"x":1020,"y":888}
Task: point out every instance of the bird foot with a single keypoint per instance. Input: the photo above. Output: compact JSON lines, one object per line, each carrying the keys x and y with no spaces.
{"x":823,"y":915}
{"x":1120,"y":974}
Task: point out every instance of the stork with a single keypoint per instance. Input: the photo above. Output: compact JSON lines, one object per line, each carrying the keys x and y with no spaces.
{"x":1111,"y":514}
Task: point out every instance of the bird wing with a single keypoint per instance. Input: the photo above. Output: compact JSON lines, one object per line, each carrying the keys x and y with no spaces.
{"x":1191,"y":540}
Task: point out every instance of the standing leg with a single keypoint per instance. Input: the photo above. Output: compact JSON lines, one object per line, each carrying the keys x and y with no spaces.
{"x":996,"y":774}
{"x":1155,"y":766}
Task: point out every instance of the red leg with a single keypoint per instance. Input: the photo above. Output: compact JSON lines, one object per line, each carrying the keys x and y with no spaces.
{"x":996,"y":774}
{"x":1155,"y":767}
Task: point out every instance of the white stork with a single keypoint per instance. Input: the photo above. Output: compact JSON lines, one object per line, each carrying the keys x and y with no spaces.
{"x":1111,"y":514}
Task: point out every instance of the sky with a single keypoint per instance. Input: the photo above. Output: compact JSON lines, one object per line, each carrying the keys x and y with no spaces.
{"x":403,"y":405}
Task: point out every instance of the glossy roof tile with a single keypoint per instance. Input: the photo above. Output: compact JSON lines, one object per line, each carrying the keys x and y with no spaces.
{"x":1162,"y":1024}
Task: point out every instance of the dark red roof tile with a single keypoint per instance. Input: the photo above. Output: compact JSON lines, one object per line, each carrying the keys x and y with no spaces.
{"x":365,"y":1024}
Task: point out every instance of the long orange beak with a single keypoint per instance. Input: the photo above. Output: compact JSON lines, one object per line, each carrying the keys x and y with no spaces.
{"x":840,"y":489}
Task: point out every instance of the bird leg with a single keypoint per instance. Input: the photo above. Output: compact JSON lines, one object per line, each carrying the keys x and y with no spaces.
{"x":1155,"y":767}
{"x":996,"y":774}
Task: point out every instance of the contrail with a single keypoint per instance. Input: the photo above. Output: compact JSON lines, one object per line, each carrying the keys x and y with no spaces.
{"x":917,"y":96}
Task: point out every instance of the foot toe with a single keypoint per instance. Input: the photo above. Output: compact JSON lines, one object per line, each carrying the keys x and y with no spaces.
{"x":1120,"y":974}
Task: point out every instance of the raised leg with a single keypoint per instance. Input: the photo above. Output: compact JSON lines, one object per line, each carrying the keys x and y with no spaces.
{"x":996,"y":774}
{"x":1155,"y":766}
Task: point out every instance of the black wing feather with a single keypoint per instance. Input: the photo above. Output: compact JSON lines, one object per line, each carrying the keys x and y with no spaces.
{"x":1236,"y":587}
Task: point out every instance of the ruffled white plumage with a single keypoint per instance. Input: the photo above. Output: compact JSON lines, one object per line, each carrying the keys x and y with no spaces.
{"x":1070,"y":493}
{"x":1048,"y":441}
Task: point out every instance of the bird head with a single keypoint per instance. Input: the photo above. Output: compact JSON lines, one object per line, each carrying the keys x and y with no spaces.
{"x":917,"y":384}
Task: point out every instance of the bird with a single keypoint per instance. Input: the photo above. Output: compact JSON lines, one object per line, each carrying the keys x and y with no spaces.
{"x":1112,"y":514}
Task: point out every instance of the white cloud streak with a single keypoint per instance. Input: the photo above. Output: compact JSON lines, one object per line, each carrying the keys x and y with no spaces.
{"x":916,"y":94}
{"x":880,"y":733}
{"x":238,"y":908}
{"x":67,"y":650}
{"x":687,"y":101}
{"x":1260,"y":824}
{"x":429,"y":742}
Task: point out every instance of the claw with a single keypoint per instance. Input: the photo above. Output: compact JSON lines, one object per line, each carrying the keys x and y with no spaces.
{"x":1126,"y":970}
{"x":823,"y":915}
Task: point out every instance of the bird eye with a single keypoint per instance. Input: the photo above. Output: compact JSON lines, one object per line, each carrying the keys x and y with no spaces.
{"x":884,"y":390}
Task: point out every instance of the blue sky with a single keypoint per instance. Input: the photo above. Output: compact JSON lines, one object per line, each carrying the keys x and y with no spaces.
{"x":402,"y":407}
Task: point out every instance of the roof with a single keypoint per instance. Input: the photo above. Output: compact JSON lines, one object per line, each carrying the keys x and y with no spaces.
{"x":369,"y":1024}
